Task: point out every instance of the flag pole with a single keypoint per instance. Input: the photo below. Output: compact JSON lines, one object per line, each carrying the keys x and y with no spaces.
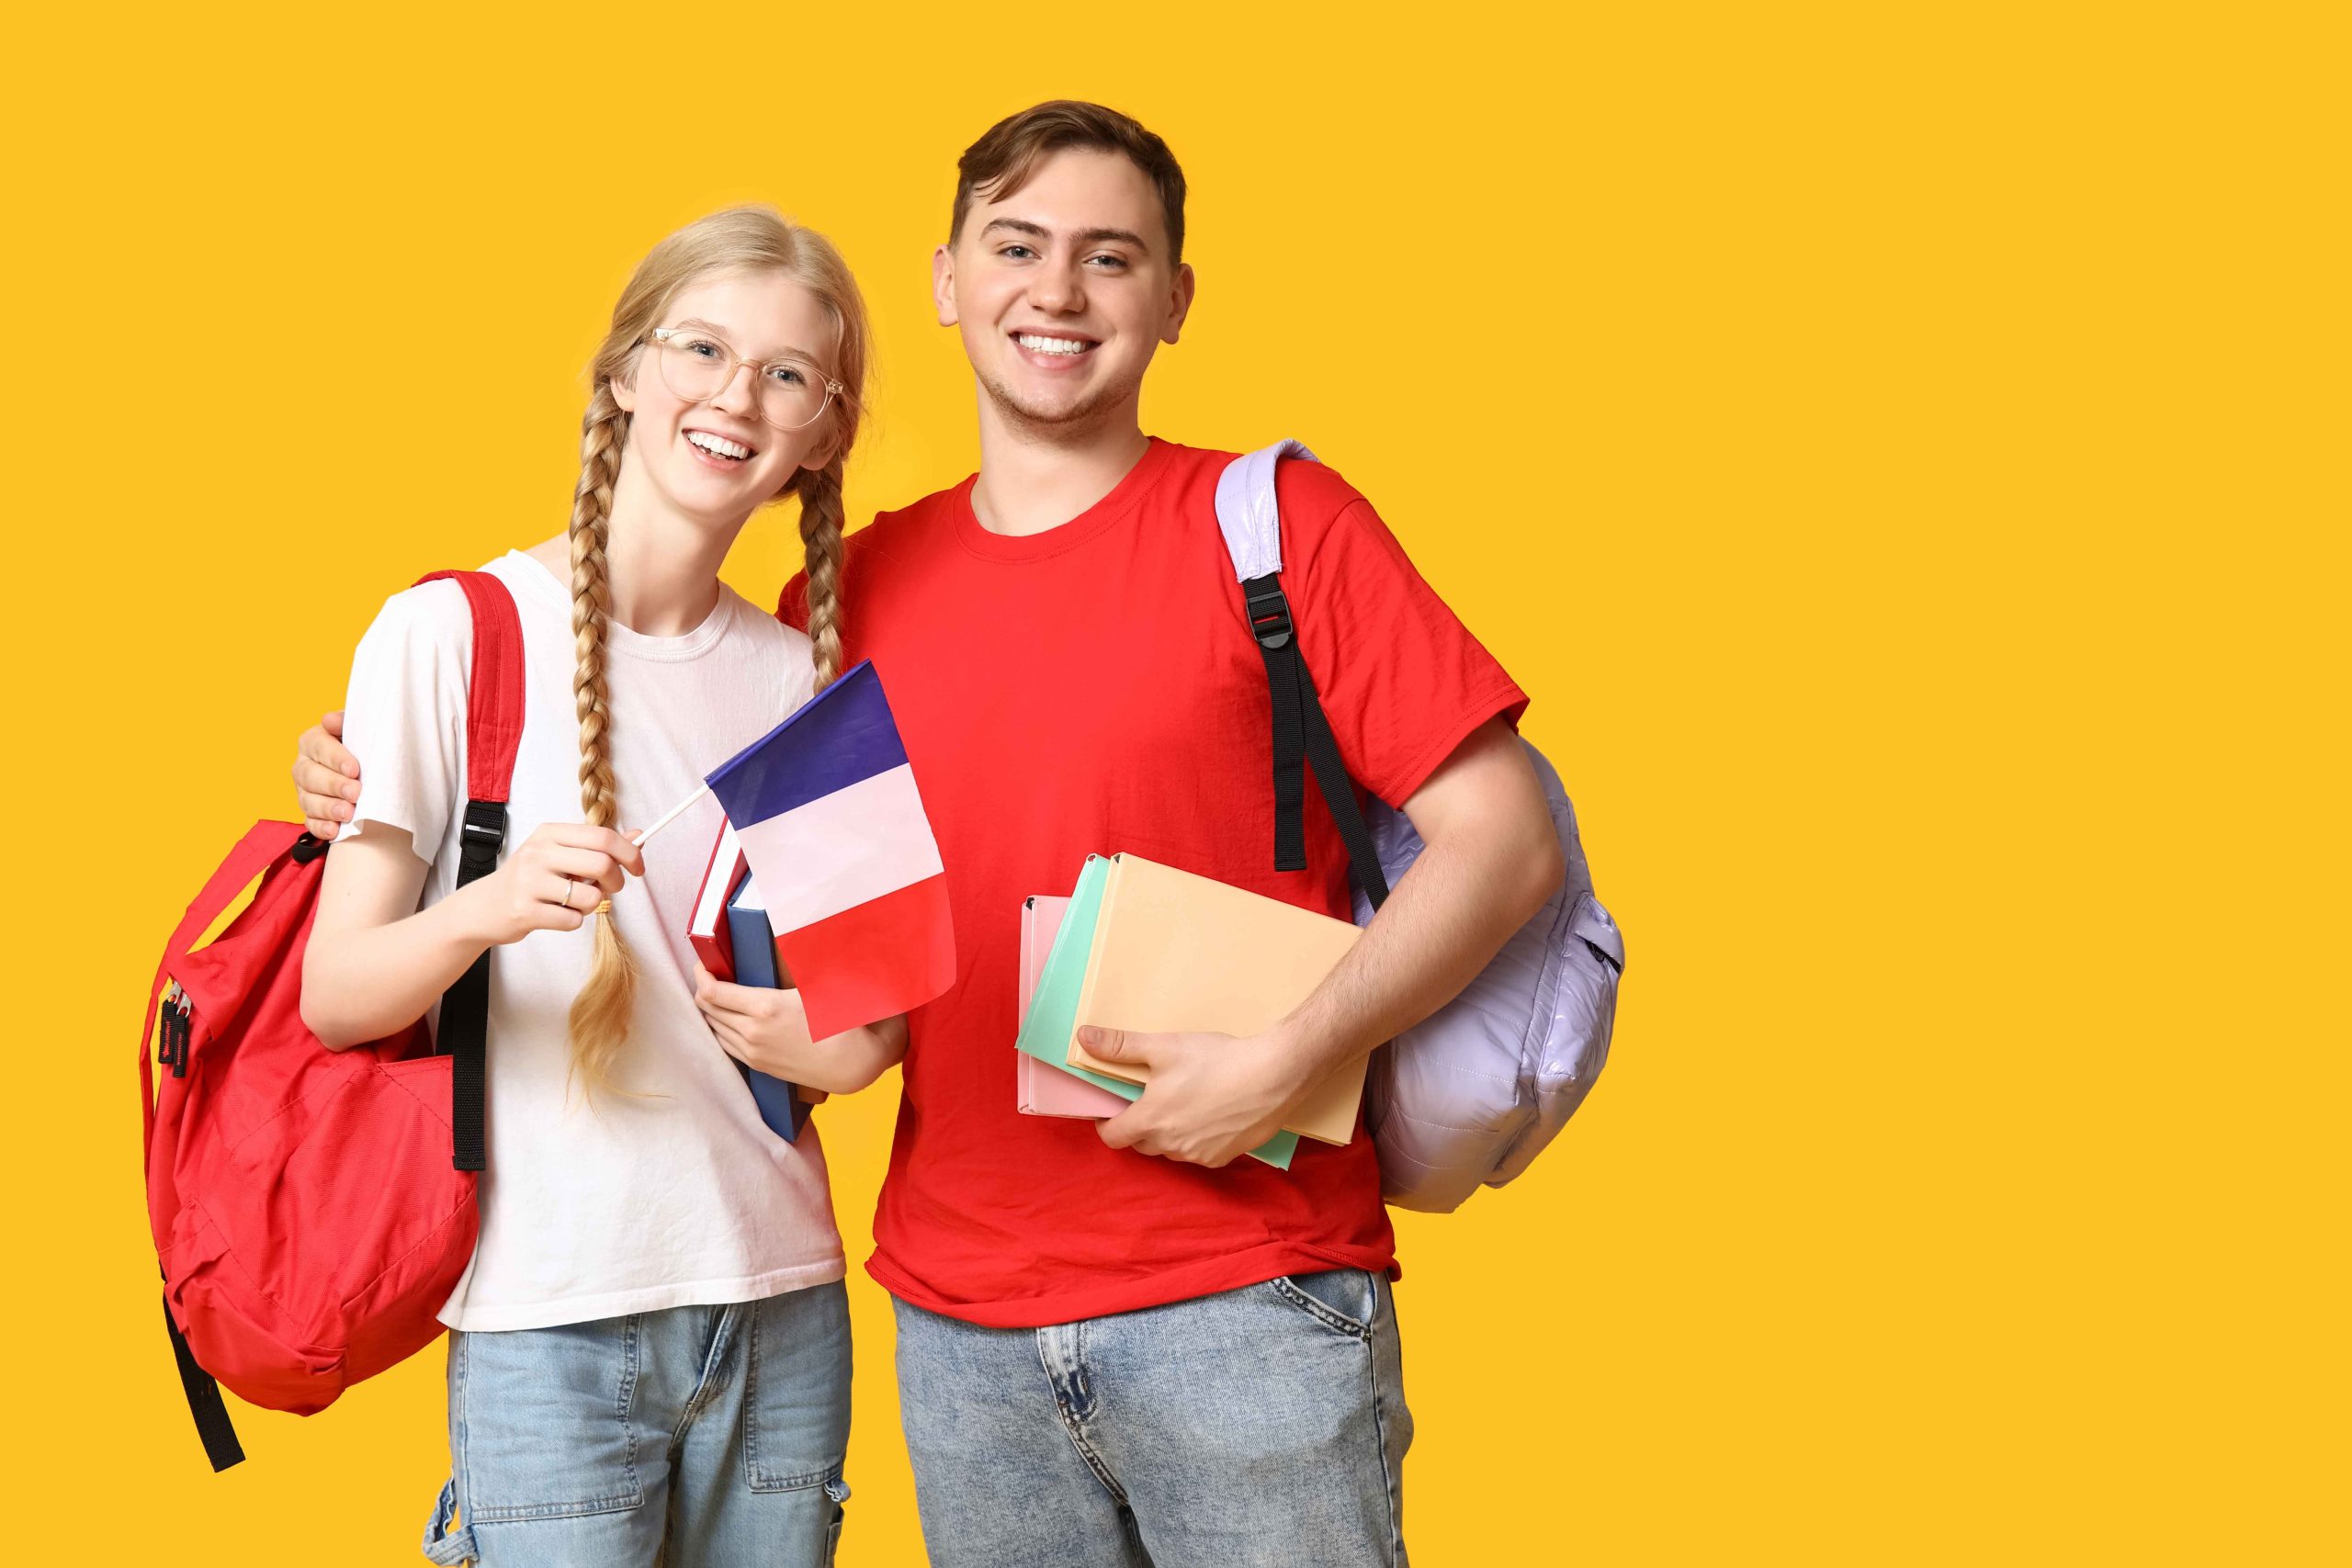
{"x":669,"y":817}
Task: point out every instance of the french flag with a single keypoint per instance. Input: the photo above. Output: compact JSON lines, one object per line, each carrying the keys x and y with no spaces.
{"x":826,"y":807}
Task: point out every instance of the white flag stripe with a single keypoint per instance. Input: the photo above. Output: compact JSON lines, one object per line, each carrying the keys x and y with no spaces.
{"x":842,"y":849}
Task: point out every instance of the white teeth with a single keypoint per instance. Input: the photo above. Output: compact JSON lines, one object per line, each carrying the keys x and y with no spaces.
{"x":717,"y":444}
{"x":1049,"y":344}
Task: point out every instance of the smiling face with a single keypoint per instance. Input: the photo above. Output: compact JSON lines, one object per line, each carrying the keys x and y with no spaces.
{"x":716,"y":459}
{"x":1064,"y":290}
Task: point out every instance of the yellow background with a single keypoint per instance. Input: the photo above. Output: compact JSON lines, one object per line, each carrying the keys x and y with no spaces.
{"x":1901,"y":448}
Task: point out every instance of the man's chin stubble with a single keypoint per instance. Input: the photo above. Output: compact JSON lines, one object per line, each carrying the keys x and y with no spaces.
{"x":1061,"y":423}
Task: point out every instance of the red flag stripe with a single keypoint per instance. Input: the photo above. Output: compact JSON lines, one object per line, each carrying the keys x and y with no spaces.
{"x":875,"y":960}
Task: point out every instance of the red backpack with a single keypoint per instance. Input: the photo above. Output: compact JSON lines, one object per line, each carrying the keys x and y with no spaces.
{"x":313,"y":1208}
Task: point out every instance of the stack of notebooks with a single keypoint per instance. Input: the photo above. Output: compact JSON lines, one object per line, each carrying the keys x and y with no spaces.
{"x":731,"y":933}
{"x":1144,"y":947}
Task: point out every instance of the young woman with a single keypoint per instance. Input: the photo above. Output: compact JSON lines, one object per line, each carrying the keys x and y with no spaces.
{"x":649,"y":1355}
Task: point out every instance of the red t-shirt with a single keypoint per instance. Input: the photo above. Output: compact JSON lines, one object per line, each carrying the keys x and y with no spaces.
{"x":1090,"y":690}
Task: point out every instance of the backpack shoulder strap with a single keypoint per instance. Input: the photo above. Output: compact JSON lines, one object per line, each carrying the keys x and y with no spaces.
{"x":494,"y":688}
{"x":1246,"y":511}
{"x":1249,"y":515}
{"x":494,"y":734}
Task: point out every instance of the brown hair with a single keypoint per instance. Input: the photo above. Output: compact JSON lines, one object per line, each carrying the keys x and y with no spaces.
{"x":742,"y":239}
{"x":1007,"y":158}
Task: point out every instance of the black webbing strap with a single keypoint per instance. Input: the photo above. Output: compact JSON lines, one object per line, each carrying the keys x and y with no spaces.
{"x":1302,"y":735}
{"x":465,"y":1005}
{"x":221,"y":1445}
{"x":1270,"y":623}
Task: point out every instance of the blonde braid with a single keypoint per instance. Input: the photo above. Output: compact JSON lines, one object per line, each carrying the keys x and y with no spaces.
{"x":821,"y":531}
{"x":601,"y":1012}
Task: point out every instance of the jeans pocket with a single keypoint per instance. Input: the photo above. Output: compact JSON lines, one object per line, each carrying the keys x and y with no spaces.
{"x":541,"y":1420}
{"x":796,"y":1395}
{"x":1343,"y":1300}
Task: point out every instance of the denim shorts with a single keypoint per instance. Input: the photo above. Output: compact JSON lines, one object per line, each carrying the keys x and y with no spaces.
{"x":698,"y":1434}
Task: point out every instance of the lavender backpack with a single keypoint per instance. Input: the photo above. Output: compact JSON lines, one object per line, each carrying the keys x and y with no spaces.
{"x":1476,"y":1091}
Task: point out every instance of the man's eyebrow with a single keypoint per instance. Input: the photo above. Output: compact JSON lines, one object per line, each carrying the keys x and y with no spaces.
{"x":1082,"y":237}
{"x":715,"y":330}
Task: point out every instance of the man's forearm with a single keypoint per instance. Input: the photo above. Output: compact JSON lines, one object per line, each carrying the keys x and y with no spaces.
{"x":1441,"y":924}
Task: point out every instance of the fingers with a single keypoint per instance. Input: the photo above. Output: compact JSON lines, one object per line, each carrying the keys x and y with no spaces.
{"x":333,"y":723}
{"x":606,"y":841}
{"x":549,"y":915}
{"x":322,"y":797}
{"x":323,"y":831}
{"x":772,"y":1020}
{"x":729,"y":1038}
{"x":317,"y":745}
{"x":1121,"y":1131}
{"x":1111,"y":1044}
{"x":749,"y":1002}
{"x":318,"y":778}
{"x":584,"y":866}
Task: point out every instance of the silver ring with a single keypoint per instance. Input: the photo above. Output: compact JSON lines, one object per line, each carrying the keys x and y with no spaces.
{"x":569,"y":883}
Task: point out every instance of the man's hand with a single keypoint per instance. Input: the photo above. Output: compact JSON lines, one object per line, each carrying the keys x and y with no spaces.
{"x":326,"y":777}
{"x":1212,"y":1098}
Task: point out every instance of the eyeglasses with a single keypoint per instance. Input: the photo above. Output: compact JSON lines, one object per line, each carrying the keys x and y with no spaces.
{"x":699,"y":368}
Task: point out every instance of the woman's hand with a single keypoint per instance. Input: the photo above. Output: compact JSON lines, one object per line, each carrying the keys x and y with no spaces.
{"x":767,"y":1029}
{"x":551,"y":882}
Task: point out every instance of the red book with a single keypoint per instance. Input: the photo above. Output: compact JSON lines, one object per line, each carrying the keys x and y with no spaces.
{"x":707,"y":928}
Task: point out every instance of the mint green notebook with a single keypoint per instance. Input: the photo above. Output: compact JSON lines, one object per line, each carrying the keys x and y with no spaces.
{"x":1053,"y":1009}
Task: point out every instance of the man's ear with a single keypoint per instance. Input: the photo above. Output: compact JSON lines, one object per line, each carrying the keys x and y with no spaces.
{"x":942,"y":284}
{"x":1180,"y":304}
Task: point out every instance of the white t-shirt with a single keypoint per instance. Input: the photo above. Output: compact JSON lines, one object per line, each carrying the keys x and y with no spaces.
{"x":595,"y":1207}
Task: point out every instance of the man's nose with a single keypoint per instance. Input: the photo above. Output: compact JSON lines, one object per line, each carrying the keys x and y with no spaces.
{"x":1059,"y":289}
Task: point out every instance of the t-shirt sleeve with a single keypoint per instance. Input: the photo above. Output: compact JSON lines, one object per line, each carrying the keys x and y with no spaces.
{"x":1400,"y":677}
{"x":404,"y":714}
{"x":792,"y":605}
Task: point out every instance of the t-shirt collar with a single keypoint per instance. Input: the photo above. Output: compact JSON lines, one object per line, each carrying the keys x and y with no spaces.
{"x":1107,"y":513}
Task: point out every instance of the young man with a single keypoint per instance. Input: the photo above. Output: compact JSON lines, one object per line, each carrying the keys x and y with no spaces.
{"x":1106,"y":1358}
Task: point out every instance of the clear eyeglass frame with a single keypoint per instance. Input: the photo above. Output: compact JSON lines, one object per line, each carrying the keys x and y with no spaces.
{"x":685,"y":376}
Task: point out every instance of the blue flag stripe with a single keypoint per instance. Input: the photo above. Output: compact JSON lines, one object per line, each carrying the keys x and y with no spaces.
{"x":841,"y":736}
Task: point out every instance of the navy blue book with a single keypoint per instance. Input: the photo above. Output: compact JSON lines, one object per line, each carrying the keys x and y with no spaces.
{"x":753,"y":943}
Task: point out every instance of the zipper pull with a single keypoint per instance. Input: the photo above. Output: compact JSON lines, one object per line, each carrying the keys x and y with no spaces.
{"x":167,"y":1026}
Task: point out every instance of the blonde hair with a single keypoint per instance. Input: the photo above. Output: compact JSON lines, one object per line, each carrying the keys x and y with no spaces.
{"x":742,"y":239}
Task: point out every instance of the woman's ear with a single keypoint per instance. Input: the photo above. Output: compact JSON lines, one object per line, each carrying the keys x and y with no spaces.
{"x":625,"y":393}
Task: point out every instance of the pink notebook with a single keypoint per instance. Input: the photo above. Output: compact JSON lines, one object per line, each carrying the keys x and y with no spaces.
{"x":1042,"y":1092}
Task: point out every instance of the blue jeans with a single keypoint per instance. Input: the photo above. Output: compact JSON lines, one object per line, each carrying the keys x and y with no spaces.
{"x":700,"y":1435}
{"x":1265,"y":1424}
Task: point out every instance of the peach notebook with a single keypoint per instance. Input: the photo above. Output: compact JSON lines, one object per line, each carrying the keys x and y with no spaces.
{"x":1174,"y":951}
{"x":1044,"y":1090}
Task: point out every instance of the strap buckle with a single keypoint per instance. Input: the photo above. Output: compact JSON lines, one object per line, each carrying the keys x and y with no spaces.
{"x":486,"y":824}
{"x":1269,"y":613}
